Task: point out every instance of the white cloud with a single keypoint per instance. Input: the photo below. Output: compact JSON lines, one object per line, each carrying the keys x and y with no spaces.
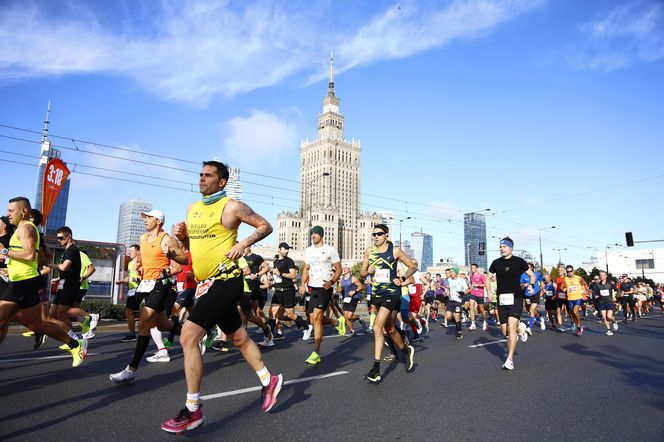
{"x":261,"y":138}
{"x":190,"y":52}
{"x":629,"y":33}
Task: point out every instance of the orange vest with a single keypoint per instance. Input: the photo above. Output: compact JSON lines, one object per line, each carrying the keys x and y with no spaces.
{"x":153,"y":259}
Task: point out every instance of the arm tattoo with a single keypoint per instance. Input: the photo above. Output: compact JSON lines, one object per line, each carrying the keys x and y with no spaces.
{"x":246,"y":210}
{"x":260,"y":233}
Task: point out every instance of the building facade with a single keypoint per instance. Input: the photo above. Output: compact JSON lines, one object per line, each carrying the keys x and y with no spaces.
{"x":130,"y":223}
{"x":474,"y":239}
{"x":647,"y":263}
{"x":422,"y":245}
{"x":330,"y":188}
{"x":234,"y":186}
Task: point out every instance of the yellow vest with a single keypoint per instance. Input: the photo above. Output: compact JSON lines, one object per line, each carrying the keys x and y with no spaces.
{"x":209,"y":240}
{"x":19,"y":269}
{"x":134,"y":276}
{"x":574,"y":287}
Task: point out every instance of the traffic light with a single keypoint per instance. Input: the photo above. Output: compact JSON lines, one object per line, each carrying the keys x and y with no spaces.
{"x":482,"y":248}
{"x":629,"y":239}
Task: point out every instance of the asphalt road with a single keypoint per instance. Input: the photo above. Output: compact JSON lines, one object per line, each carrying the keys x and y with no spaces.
{"x":564,"y":387}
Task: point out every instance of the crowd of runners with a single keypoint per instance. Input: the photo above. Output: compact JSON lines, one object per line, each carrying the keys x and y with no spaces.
{"x":204,"y":285}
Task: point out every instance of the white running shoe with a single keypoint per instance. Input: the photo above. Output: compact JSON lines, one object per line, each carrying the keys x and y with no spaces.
{"x":426,"y":327}
{"x":266,"y":343}
{"x":508,"y":365}
{"x":201,"y":345}
{"x":472,"y":326}
{"x":542,"y":325}
{"x":306,"y":335}
{"x":609,"y":333}
{"x":89,"y":334}
{"x":160,"y":356}
{"x":529,"y":331}
{"x":94,"y":320}
{"x":521,"y":330}
{"x":123,"y":377}
{"x":419,"y":327}
{"x":484,"y":327}
{"x":615,"y":326}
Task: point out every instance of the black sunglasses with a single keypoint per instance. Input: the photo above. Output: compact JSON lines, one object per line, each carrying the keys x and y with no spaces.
{"x":374,"y":234}
{"x":60,"y":238}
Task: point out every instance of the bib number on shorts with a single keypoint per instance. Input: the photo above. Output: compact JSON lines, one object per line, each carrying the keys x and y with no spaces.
{"x":146,"y":286}
{"x":506,"y":299}
{"x":131,"y":293}
{"x":382,"y":276}
{"x":61,"y":284}
{"x":562,"y":295}
{"x":203,"y":287}
{"x":549,"y":293}
{"x":347,"y":299}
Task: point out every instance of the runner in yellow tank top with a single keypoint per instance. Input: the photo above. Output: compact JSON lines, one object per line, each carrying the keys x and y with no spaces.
{"x":210,"y":233}
{"x":22,"y":293}
{"x":574,"y":286}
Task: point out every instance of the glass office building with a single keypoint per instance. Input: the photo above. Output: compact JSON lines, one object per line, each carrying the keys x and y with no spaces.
{"x":474,"y":239}
{"x":422,"y":245}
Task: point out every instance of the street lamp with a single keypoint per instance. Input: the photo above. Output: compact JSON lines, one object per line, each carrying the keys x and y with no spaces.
{"x":311,"y":205}
{"x":401,"y":221}
{"x":559,"y":250}
{"x":540,"y":244}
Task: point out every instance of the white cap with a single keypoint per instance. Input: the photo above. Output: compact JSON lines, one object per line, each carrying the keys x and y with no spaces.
{"x":155,"y":214}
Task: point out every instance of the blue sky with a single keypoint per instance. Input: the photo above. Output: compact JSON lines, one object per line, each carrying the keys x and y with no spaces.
{"x":546,"y":112}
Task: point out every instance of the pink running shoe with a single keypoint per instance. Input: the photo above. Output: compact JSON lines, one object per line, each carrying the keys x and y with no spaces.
{"x":184,"y":421}
{"x":271,"y":391}
{"x":579,"y":331}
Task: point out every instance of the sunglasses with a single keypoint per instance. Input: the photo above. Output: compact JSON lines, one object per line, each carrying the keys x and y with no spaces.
{"x":60,"y":238}
{"x":570,"y":271}
{"x":375,"y":234}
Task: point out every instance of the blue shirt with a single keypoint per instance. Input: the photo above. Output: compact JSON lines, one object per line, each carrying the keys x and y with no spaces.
{"x":525,"y":279}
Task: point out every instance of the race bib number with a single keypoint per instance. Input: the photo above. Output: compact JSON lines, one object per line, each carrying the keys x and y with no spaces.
{"x":277,"y":279}
{"x":61,"y":284}
{"x":549,"y":293}
{"x":180,"y":286}
{"x":412,"y":289}
{"x":572,"y":289}
{"x":203,"y":287}
{"x":604,"y":293}
{"x":382,"y":276}
{"x":506,"y":299}
{"x":562,"y":295}
{"x":146,"y":286}
{"x":131,"y":293}
{"x":347,"y":299}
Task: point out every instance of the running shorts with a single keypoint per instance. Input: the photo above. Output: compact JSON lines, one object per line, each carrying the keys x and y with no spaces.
{"x":219,"y":306}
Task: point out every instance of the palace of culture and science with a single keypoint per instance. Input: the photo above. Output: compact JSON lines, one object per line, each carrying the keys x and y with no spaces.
{"x":330,"y":188}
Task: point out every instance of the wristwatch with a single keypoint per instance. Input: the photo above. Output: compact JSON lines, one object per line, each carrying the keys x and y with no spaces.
{"x":5,"y":252}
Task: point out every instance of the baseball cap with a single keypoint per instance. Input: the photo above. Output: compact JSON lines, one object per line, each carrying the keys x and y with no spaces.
{"x":155,"y":214}
{"x":284,"y":245}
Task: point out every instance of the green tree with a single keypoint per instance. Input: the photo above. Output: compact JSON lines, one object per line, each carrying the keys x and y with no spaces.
{"x":583,"y":274}
{"x":355,"y":270}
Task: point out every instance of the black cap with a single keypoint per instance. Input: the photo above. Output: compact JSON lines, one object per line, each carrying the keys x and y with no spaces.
{"x":284,"y":245}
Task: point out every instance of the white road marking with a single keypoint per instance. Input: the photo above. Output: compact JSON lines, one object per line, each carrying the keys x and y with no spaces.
{"x":289,"y":382}
{"x":43,"y":358}
{"x":487,"y":343}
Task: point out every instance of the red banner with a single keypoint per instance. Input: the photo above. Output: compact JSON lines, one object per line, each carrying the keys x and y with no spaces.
{"x":55,"y":175}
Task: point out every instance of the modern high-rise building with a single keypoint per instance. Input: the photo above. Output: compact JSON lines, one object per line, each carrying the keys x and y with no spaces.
{"x":58,"y":215}
{"x":474,"y":239}
{"x":422,"y":245}
{"x":234,"y":186}
{"x":130,"y":223}
{"x":330,"y":188}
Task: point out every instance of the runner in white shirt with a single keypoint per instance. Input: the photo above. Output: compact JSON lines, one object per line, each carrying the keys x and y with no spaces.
{"x":322,"y":269}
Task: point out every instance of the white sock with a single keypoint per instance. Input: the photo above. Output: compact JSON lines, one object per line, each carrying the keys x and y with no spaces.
{"x":193,"y":401}
{"x":72,"y":335}
{"x":156,"y":337}
{"x":264,"y":376}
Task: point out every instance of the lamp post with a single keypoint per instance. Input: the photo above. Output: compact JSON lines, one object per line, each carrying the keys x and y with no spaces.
{"x":540,"y":244}
{"x":559,"y":250}
{"x":401,"y":221}
{"x":310,"y":202}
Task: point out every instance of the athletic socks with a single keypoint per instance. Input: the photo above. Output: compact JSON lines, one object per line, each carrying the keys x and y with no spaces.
{"x":157,"y":338}
{"x":72,"y":335}
{"x":73,"y":343}
{"x":264,"y":376}
{"x":193,"y":401}
{"x":301,"y":323}
{"x":457,"y":324}
{"x":141,"y":346}
{"x":372,"y":318}
{"x":531,"y":322}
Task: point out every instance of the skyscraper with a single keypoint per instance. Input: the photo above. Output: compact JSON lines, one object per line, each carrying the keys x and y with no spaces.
{"x":330,"y":188}
{"x":422,"y":245}
{"x":58,"y":216}
{"x":474,"y":239}
{"x":130,"y":223}
{"x":234,"y":186}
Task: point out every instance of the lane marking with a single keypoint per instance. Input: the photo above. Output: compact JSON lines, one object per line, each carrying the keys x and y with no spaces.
{"x":44,"y":358}
{"x":487,"y":343}
{"x":289,"y":382}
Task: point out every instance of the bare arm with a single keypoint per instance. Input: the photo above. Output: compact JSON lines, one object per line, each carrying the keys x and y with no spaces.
{"x":62,"y":267}
{"x":89,"y":270}
{"x":412,"y":267}
{"x":305,"y":278}
{"x":173,"y":251}
{"x":335,"y":277}
{"x":358,"y":284}
{"x":28,"y":238}
{"x":242,"y":213}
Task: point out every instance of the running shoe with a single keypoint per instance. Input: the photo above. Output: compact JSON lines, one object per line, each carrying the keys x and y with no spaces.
{"x":615,"y":326}
{"x":561,"y":328}
{"x":373,"y":376}
{"x":131,"y":337}
{"x":85,"y":325}
{"x":28,"y":333}
{"x":266,"y":343}
{"x":609,"y":333}
{"x":363,"y":324}
{"x":64,"y":347}
{"x":529,"y":331}
{"x":210,"y":337}
{"x":459,"y":335}
{"x":40,"y":340}
{"x":313,"y":358}
{"x":472,"y":326}
{"x":219,"y":346}
{"x":484,"y":326}
{"x":390,"y":357}
{"x":306,"y":335}
{"x":542,"y":325}
{"x":168,"y":343}
{"x":94,"y":320}
{"x":268,"y":332}
{"x":408,"y":358}
{"x":123,"y":377}
{"x":579,"y":331}
{"x":89,"y":334}
{"x":573,"y":327}
{"x":508,"y":365}
{"x":79,"y":353}
{"x":521,"y":330}
{"x":341,"y":326}
{"x":201,"y":345}
{"x":185,"y":420}
{"x":419,"y":328}
{"x":160,"y":356}
{"x":278,"y":336}
{"x":271,"y":391}
{"x":426,"y":326}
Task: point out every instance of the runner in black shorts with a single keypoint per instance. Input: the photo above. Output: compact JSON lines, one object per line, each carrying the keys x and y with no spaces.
{"x":381,"y":262}
{"x":508,"y":270}
{"x":351,"y":287}
{"x":458,"y":291}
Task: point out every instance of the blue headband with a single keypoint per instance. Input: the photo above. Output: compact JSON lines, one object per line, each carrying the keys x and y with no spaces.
{"x":507,"y":242}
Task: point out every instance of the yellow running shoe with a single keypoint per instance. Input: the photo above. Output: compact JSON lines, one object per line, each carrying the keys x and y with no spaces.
{"x":28,"y":333}
{"x":64,"y":347}
{"x":313,"y":358}
{"x":79,"y":353}
{"x":341,"y":326}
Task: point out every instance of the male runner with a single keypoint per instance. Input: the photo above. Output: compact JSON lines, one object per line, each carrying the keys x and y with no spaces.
{"x":351,"y":288}
{"x":134,"y":300}
{"x":45,"y":256}
{"x":550,"y":303}
{"x":532,"y":299}
{"x":561,"y":297}
{"x":458,"y":290}
{"x":21,"y":297}
{"x":415,"y":292}
{"x":250,"y":304}
{"x":283,"y":299}
{"x":627,"y":291}
{"x":604,"y":290}
{"x":158,"y":248}
{"x":574,"y":286}
{"x":210,"y":233}
{"x":508,"y":269}
{"x":322,"y":270}
{"x":381,"y":262}
{"x":477,"y":285}
{"x":87,"y":270}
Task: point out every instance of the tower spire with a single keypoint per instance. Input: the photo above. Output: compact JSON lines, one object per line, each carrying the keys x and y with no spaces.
{"x":331,"y":84}
{"x":45,"y":129}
